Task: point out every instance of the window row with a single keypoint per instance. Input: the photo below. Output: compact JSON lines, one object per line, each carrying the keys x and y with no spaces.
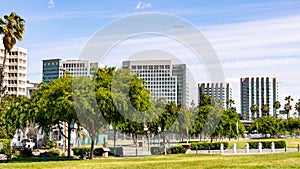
{"x":51,"y":63}
{"x":67,"y":65}
{"x":150,"y":67}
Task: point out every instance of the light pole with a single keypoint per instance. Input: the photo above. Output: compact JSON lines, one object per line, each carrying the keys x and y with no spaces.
{"x":147,"y":135}
{"x":159,"y":130}
{"x":65,"y":124}
{"x":115,"y":150}
{"x":237,"y":130}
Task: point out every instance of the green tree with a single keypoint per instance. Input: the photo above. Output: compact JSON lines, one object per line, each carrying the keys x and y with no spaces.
{"x":113,"y":97}
{"x":229,"y":122}
{"x":56,"y":107}
{"x":266,"y":125}
{"x":277,"y":105}
{"x":185,"y":121}
{"x":167,"y":120}
{"x":20,"y":113}
{"x":297,"y":107}
{"x":7,"y":126}
{"x":199,"y":122}
{"x":12,"y":28}
{"x":288,"y":106}
{"x":265,"y":109}
{"x":254,"y":110}
{"x":86,"y":108}
{"x":205,"y":100}
{"x":230,"y":102}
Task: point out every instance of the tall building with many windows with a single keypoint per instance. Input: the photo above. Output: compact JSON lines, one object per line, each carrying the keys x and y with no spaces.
{"x":164,"y":79}
{"x":15,"y":70}
{"x":53,"y":68}
{"x":258,"y":91}
{"x":218,"y":91}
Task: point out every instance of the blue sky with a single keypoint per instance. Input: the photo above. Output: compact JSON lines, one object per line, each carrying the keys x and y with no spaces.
{"x":252,"y":38}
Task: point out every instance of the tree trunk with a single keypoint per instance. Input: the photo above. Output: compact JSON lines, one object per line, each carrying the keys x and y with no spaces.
{"x":134,"y":138}
{"x":3,"y":73}
{"x":187,"y":135}
{"x":92,"y":145}
{"x":69,"y":140}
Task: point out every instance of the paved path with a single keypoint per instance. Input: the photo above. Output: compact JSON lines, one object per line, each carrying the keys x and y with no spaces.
{"x":242,"y":151}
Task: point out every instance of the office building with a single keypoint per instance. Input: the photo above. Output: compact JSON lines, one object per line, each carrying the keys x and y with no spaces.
{"x":164,"y":79}
{"x":53,"y":68}
{"x":15,"y":70}
{"x":220,"y":92}
{"x":258,"y":91}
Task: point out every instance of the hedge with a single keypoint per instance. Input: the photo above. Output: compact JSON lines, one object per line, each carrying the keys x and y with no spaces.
{"x":6,"y":146}
{"x":267,"y":144}
{"x":206,"y":146}
{"x":98,"y":151}
{"x":77,"y":150}
{"x":177,"y":150}
{"x":53,"y":153}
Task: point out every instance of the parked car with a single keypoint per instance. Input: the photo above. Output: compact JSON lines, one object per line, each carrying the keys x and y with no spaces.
{"x":28,"y":143}
{"x":255,"y":135}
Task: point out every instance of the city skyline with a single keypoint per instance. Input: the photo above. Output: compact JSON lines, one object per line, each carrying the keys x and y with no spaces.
{"x":257,"y":38}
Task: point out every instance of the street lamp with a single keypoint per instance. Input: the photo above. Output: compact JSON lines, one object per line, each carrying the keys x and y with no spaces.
{"x":147,"y":135}
{"x":158,"y":130}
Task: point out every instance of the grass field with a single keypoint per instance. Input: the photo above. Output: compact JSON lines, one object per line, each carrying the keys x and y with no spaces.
{"x":282,"y":161}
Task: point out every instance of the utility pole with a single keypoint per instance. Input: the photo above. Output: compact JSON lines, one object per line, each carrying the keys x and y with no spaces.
{"x":65,"y":124}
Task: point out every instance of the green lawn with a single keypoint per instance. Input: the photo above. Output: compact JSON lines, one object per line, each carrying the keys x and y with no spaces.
{"x":283,"y":160}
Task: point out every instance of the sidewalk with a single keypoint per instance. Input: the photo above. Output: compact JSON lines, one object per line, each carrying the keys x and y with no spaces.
{"x":242,"y":151}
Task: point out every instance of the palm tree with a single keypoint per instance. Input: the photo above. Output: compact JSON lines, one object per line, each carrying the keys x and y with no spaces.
{"x":277,"y":105}
{"x":12,"y":28}
{"x":253,"y":109}
{"x":230,"y":102}
{"x":297,"y":107}
{"x":288,"y":106}
{"x":265,"y":109}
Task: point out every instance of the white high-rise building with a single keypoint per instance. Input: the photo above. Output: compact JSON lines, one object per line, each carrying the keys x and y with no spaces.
{"x":218,"y":91}
{"x":78,"y":67}
{"x":164,"y":79}
{"x":15,"y":70}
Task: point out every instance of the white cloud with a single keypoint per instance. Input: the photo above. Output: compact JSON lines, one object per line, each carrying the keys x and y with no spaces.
{"x":277,"y":37}
{"x":51,"y":4}
{"x":143,"y":5}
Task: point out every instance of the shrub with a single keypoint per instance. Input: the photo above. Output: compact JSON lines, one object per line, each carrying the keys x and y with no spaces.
{"x":16,"y":153}
{"x":77,"y":150}
{"x":49,"y":143}
{"x":157,"y":150}
{"x":267,"y":144}
{"x":27,"y":152}
{"x":177,"y":150}
{"x":53,"y":153}
{"x":206,"y":146}
{"x":6,"y":146}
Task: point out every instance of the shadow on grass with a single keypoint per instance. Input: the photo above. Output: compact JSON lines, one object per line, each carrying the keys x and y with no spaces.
{"x":41,"y":159}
